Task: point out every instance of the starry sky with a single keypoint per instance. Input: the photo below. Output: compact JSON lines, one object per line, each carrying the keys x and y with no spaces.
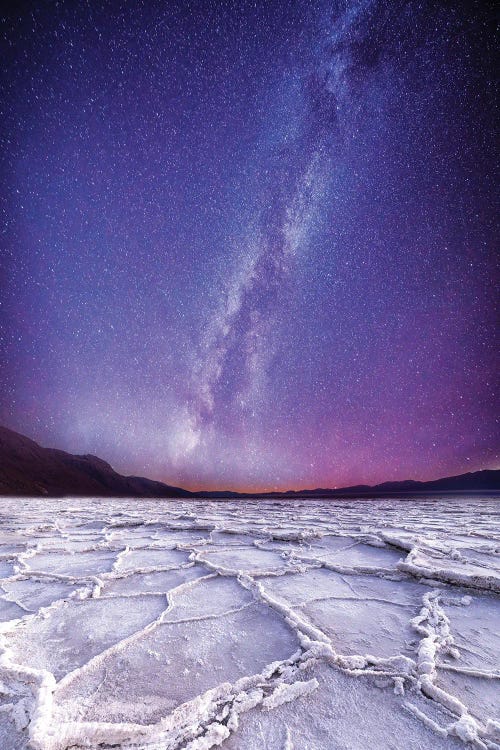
{"x":251,"y":245}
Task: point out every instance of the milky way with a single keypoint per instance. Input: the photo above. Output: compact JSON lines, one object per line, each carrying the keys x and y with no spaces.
{"x":251,"y":245}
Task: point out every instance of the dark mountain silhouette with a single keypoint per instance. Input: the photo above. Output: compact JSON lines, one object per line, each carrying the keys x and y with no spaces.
{"x":487,"y":480}
{"x":28,"y":469}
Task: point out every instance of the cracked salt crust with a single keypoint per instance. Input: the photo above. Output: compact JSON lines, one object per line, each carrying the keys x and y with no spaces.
{"x":184,"y":624}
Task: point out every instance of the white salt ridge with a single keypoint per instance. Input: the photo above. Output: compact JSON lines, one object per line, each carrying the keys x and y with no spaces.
{"x":285,"y":693}
{"x":415,"y":563}
{"x":421,"y":564}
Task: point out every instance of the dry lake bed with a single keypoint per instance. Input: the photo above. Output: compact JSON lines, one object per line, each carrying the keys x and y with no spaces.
{"x":261,"y":625}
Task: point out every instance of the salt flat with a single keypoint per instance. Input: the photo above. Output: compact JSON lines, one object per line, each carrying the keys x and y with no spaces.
{"x":251,"y":625}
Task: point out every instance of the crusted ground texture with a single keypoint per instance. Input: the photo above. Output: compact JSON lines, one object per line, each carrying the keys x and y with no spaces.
{"x":305,"y":624}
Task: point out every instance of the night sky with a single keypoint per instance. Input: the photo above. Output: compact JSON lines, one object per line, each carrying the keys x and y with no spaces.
{"x":251,"y":244}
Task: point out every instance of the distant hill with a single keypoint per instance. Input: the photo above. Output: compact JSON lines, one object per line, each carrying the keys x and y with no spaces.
{"x":487,"y":480}
{"x":28,"y":469}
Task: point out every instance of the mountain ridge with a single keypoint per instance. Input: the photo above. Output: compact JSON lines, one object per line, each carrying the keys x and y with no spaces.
{"x":26,"y":468}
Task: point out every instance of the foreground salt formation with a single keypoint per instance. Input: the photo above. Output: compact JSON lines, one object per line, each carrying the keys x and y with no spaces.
{"x":302,"y":624}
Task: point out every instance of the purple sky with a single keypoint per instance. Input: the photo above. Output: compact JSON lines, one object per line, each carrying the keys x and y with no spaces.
{"x":251,"y":245}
